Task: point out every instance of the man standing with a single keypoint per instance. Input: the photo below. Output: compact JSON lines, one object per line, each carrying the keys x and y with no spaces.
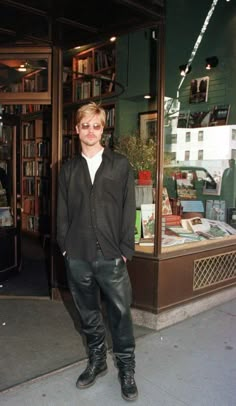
{"x":95,"y":232}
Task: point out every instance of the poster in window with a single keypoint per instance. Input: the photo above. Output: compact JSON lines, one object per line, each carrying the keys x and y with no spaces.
{"x":199,"y":90}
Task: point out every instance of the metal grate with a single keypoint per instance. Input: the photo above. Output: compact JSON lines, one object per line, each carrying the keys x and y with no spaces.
{"x":212,"y":270}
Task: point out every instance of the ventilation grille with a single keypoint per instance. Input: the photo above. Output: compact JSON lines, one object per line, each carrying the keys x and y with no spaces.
{"x":212,"y":270}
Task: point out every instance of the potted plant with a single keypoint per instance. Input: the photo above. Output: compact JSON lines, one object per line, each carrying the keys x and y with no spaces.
{"x":141,"y":155}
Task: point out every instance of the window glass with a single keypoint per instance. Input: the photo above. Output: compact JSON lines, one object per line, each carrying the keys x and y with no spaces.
{"x":23,"y":75}
{"x":200,"y":178}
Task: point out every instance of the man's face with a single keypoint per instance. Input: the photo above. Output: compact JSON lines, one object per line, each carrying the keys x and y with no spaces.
{"x":90,"y":130}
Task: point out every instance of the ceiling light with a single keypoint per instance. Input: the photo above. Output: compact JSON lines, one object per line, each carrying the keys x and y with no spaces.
{"x":147,"y":96}
{"x":113,"y":39}
{"x":22,"y":68}
{"x":211,"y":62}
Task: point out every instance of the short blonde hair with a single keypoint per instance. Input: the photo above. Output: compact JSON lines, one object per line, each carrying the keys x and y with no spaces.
{"x":91,"y":109}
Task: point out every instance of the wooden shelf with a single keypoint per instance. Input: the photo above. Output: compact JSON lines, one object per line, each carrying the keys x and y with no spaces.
{"x":35,"y":171}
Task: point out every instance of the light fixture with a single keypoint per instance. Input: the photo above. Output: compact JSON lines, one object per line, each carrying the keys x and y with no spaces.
{"x":113,"y":39}
{"x":22,"y":68}
{"x":147,"y":96}
{"x":211,"y":62}
{"x":185,"y":69}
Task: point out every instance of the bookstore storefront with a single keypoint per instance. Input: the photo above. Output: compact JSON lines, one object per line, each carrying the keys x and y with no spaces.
{"x":185,"y":256}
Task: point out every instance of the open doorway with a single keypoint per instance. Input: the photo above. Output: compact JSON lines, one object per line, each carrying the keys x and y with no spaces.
{"x":27,"y":235}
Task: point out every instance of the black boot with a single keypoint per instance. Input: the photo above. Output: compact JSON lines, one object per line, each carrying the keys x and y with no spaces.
{"x":97,"y":366}
{"x":129,"y":390}
{"x":89,"y":376}
{"x":126,"y":365}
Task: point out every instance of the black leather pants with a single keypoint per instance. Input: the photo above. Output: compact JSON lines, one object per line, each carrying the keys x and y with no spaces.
{"x":85,"y":280}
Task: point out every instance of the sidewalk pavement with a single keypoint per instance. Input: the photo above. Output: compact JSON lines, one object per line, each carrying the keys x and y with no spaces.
{"x":192,"y":363}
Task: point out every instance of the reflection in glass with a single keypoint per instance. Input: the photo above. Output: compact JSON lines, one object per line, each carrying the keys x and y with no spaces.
{"x":23,"y":75}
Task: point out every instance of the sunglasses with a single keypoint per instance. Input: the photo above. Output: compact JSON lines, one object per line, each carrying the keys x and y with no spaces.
{"x":95,"y":126}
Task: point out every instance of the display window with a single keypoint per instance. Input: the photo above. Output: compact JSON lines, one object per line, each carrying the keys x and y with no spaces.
{"x":201,"y":189}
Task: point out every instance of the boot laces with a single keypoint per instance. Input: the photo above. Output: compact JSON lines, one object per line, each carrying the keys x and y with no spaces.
{"x":128,"y":379}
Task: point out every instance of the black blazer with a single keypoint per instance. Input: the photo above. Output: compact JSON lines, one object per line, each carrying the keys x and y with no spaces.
{"x":103,"y":211}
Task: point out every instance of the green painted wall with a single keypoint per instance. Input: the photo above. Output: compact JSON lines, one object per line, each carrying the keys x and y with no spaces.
{"x":135,"y":71}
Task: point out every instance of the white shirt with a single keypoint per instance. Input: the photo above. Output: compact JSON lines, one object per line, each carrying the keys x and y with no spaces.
{"x":94,"y":163}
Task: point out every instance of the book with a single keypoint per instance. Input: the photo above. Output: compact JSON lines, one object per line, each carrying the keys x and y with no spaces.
{"x":196,"y":224}
{"x":230,"y":230}
{"x":146,"y":242}
{"x":185,"y":189}
{"x":96,"y":86}
{"x":189,"y":206}
{"x":148,"y":220}
{"x":166,"y":207}
{"x":209,"y":229}
{"x":137,"y":231}
{"x":168,"y":241}
{"x":188,"y":235}
{"x":172,"y":219}
{"x":216,"y":210}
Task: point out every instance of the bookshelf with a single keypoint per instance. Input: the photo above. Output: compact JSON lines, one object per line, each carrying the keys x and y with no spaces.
{"x":35,"y":169}
{"x":94,"y":71}
{"x":6,"y":146}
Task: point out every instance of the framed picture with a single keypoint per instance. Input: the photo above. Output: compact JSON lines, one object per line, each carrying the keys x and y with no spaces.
{"x":148,"y":125}
{"x":199,"y":90}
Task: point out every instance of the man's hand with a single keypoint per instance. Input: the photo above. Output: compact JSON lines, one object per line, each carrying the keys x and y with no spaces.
{"x":124,"y":259}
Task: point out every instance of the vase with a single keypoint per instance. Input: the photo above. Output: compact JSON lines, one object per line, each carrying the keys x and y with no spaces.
{"x":145,"y":177}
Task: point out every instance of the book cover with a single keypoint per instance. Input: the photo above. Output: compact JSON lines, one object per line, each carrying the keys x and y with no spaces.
{"x":216,"y":210}
{"x":185,"y":189}
{"x":172,"y":219}
{"x":166,"y":207}
{"x":148,"y":220}
{"x":190,"y":206}
{"x":137,"y":232}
